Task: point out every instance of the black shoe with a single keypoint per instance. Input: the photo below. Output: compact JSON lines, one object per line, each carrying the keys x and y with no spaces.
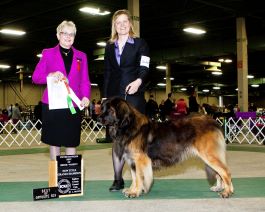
{"x":117,"y":185}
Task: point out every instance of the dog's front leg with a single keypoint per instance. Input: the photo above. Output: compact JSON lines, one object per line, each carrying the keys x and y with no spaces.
{"x":136,"y":187}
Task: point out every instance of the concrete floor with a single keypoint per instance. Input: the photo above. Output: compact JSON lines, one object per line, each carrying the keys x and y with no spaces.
{"x":98,"y":166}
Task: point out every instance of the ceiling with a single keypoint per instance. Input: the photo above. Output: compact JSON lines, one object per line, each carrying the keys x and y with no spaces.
{"x":161,"y":24}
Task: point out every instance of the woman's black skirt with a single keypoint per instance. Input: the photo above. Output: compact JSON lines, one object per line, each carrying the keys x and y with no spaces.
{"x":60,"y":127}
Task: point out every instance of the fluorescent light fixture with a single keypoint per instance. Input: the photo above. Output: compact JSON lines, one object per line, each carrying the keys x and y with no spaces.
{"x":205,"y":90}
{"x":183,"y":89}
{"x":255,"y":86}
{"x":39,"y":55}
{"x":194,"y":30}
{"x":213,"y":68}
{"x":250,"y":76}
{"x":171,"y":78}
{"x":93,"y":11}
{"x":12,"y":32}
{"x":94,"y":84}
{"x":225,"y":60}
{"x":216,"y":88}
{"x":228,"y":61}
{"x":100,"y":57}
{"x":161,"y":67}
{"x":4,"y":66}
{"x":102,"y":43}
{"x":161,"y":84}
{"x":217,"y":73}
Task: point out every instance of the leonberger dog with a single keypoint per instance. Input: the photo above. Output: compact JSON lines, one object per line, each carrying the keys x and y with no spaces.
{"x":145,"y":145}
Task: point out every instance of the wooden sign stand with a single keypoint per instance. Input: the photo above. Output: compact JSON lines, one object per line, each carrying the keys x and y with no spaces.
{"x":70,"y":182}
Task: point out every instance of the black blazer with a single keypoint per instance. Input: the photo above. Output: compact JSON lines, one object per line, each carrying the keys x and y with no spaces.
{"x":117,"y":77}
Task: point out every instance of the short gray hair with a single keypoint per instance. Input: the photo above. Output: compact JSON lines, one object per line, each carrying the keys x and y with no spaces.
{"x":66,"y":24}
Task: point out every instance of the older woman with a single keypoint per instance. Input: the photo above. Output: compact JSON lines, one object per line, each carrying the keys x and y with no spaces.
{"x":63,"y":62}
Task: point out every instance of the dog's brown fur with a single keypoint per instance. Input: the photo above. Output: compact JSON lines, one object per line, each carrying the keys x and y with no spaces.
{"x":144,"y":145}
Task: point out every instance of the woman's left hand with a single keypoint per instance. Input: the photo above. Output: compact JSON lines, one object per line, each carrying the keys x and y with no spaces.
{"x":84,"y":102}
{"x":132,"y":88}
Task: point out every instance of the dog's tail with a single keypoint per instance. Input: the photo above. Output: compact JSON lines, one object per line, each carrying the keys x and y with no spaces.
{"x":211,"y":174}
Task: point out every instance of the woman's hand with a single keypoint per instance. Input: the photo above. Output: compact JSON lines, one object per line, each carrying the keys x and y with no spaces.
{"x":57,"y":75}
{"x":84,"y":102}
{"x":133,"y":87}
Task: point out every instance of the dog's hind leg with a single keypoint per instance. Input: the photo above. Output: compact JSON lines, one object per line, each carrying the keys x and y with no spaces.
{"x":217,"y":165}
{"x":213,"y":154}
{"x":214,"y":178}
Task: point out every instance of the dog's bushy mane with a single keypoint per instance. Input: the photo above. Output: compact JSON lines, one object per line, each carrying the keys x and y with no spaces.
{"x":130,"y":124}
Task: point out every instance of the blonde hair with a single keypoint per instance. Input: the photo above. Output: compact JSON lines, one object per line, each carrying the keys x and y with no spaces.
{"x":114,"y":34}
{"x":69,"y":24}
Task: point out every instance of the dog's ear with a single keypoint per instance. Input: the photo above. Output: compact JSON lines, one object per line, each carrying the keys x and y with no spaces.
{"x":124,"y":114}
{"x":125,"y":121}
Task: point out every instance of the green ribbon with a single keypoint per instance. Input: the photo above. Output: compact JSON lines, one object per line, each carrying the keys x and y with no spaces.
{"x":70,"y":104}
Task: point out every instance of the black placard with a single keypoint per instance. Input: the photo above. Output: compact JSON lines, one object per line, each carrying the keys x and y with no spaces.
{"x":45,"y":193}
{"x":69,"y":173}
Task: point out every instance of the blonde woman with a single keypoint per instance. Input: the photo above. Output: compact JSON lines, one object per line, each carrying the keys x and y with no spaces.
{"x":126,"y":69}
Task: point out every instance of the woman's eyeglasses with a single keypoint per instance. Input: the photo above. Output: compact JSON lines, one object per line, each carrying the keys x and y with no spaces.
{"x":65,"y":34}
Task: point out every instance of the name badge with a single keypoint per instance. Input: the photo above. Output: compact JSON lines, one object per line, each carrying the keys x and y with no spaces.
{"x":145,"y":61}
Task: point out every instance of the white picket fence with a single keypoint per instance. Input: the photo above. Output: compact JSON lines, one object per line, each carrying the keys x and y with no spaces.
{"x":28,"y":133}
{"x":22,"y":134}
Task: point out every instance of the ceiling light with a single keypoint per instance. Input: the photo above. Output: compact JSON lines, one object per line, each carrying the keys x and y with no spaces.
{"x":12,"y":32}
{"x":100,"y":57}
{"x":255,"y":86}
{"x":102,"y":43}
{"x":161,"y":67}
{"x":217,"y":73}
{"x":183,"y":89}
{"x":228,"y":61}
{"x":213,"y":68}
{"x":161,"y":84}
{"x":250,"y":76}
{"x":221,"y":60}
{"x":39,"y":55}
{"x":4,"y":66}
{"x":194,"y":30}
{"x":216,"y":88}
{"x":94,"y":84}
{"x":205,"y":90}
{"x":236,"y":89}
{"x":171,"y":78}
{"x":93,"y":11}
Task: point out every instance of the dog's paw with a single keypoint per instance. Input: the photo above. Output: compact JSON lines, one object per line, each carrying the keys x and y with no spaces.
{"x":216,"y":188}
{"x":127,"y":192}
{"x":226,"y":194}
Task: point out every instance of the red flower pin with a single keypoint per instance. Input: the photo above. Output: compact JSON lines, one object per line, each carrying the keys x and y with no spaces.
{"x":78,"y":65}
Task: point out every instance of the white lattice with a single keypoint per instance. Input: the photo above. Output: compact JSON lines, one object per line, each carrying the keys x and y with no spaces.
{"x":245,"y":130}
{"x":28,"y":133}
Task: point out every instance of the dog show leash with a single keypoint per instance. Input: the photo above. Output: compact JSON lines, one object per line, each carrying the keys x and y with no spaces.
{"x":126,"y":93}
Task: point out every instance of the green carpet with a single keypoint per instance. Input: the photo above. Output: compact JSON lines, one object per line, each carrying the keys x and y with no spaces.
{"x":230,"y":147}
{"x":162,"y":189}
{"x":46,"y":149}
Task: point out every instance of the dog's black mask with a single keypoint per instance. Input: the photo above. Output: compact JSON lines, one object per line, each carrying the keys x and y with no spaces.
{"x":115,"y":112}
